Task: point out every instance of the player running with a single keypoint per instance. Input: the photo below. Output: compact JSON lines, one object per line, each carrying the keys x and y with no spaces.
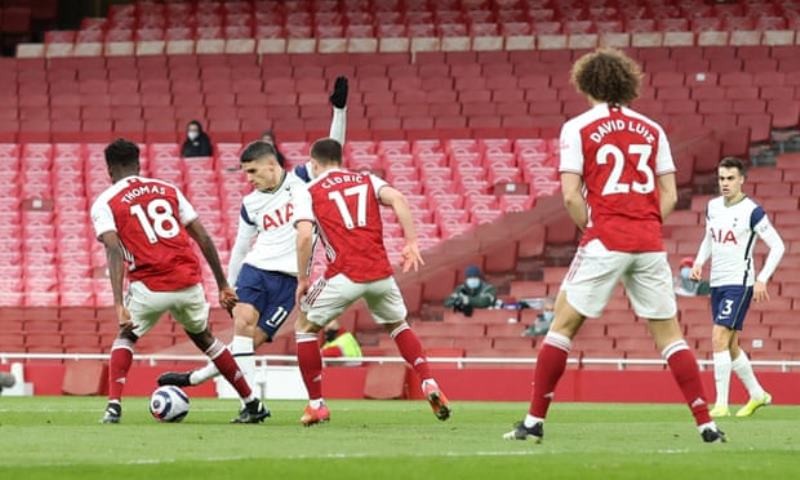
{"x":733,"y":221}
{"x":146,"y":224}
{"x":263,"y":264}
{"x":346,"y":207}
{"x":622,"y":159}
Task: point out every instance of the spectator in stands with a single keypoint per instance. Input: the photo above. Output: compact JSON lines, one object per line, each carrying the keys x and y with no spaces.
{"x":542,"y":323}
{"x":197,"y":143}
{"x":339,"y":342}
{"x":269,"y":137}
{"x":474,"y":293}
{"x":685,"y":286}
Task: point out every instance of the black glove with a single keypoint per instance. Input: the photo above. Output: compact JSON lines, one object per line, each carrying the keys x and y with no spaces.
{"x":339,"y":96}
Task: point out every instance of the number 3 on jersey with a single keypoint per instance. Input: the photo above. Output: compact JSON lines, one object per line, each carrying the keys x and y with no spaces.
{"x":158,"y":221}
{"x":613,"y":185}
{"x":360,"y":191}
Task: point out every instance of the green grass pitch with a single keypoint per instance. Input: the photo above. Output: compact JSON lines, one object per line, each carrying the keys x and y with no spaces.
{"x":59,"y":437}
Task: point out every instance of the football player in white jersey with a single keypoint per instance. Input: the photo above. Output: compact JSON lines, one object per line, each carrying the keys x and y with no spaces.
{"x":733,"y":221}
{"x":263,"y":265}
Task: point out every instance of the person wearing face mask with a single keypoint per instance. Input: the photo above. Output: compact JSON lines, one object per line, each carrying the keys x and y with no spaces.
{"x":197,"y":143}
{"x":473,"y":293}
{"x":339,"y":342}
{"x":542,"y":323}
{"x":685,"y":285}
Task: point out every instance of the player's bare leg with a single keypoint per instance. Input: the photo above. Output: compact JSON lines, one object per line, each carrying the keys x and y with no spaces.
{"x":741,"y":366}
{"x":411,"y":349}
{"x":721,"y":341}
{"x":246,"y":338}
{"x":683,"y":365}
{"x":309,"y":359}
{"x":119,"y":365}
{"x":253,"y":411}
{"x":550,"y":365}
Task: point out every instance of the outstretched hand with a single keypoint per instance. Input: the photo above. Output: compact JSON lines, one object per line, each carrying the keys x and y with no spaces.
{"x":338,"y":97}
{"x":412,"y":259}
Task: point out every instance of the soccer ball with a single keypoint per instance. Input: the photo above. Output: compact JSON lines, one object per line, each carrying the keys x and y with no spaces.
{"x":169,"y":404}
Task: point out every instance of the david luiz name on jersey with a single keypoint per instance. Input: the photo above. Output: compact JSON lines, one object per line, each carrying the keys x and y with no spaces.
{"x":619,"y":125}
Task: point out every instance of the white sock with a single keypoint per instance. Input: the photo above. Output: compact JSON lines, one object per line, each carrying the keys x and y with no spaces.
{"x":203,"y":374}
{"x":429,"y":381}
{"x":316,"y":403}
{"x":242,"y":350}
{"x":530,"y":420}
{"x":745,"y":373}
{"x":722,"y":376}
{"x":711,"y":425}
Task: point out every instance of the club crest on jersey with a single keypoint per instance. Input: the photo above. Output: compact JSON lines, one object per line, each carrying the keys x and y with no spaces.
{"x":279,"y":218}
{"x":719,"y":237}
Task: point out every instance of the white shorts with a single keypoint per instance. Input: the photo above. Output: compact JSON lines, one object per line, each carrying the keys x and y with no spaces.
{"x":188,"y":307}
{"x":594,"y":274}
{"x":327,"y":299}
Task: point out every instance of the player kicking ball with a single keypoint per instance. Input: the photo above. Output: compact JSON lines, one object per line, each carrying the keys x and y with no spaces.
{"x":346,"y":209}
{"x":622,"y":160}
{"x":147,"y":224}
{"x":733,"y":221}
{"x":263,"y":264}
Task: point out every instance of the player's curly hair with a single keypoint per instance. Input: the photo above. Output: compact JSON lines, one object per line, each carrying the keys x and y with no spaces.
{"x":607,"y":75}
{"x":122,"y":153}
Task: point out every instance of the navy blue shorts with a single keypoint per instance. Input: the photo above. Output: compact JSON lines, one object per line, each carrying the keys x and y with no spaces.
{"x":729,"y":305}
{"x":271,"y":293}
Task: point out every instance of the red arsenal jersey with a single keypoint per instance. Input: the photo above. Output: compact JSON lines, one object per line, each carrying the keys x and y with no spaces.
{"x":619,"y":153}
{"x":149,"y":216}
{"x":346,"y":207}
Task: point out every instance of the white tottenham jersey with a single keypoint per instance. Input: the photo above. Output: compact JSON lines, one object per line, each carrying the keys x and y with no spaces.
{"x":730,"y":239}
{"x":271,"y":216}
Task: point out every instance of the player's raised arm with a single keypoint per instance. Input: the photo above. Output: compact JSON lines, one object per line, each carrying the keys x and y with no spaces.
{"x":244,"y":238}
{"x":392,"y":197}
{"x":227,"y":297}
{"x":338,"y":99}
{"x":115,"y":256}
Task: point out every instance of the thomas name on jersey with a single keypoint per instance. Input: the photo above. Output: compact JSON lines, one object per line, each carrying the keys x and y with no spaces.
{"x":619,"y":125}
{"x":146,"y":189}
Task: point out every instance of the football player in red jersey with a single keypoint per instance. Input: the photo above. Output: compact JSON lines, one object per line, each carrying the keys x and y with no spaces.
{"x":622,"y":160}
{"x":146,"y":225}
{"x":346,"y":207}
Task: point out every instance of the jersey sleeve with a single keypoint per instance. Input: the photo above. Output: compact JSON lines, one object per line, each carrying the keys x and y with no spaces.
{"x":245,"y":217}
{"x":301,"y":202}
{"x":571,"y":150}
{"x":664,"y":163}
{"x":339,"y":124}
{"x":102,"y":218}
{"x":186,"y":212}
{"x":764,"y":229}
{"x":377,"y":184}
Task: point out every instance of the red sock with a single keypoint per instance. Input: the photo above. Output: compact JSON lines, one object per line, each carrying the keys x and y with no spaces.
{"x":226,"y":364}
{"x":120,"y":363}
{"x":550,"y":365}
{"x":310,"y":360}
{"x":684,"y":369}
{"x":411,"y":349}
